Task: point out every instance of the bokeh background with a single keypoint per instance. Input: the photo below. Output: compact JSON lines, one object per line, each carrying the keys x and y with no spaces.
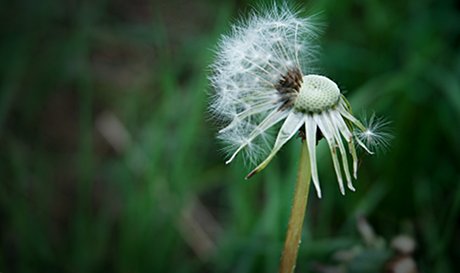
{"x":108,"y":161}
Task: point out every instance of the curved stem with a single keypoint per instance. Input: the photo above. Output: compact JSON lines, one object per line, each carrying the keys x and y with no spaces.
{"x":299,"y":205}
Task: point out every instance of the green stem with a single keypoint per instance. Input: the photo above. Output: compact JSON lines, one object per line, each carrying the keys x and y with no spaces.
{"x":299,"y":205}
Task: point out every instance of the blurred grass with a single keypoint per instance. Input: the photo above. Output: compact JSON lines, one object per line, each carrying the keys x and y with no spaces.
{"x":109,"y":162}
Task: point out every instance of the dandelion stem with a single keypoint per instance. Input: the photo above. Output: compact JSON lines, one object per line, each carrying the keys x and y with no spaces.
{"x":299,"y":205}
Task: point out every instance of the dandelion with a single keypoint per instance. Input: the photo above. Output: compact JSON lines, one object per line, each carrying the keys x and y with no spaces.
{"x":261,"y":79}
{"x":265,"y":86}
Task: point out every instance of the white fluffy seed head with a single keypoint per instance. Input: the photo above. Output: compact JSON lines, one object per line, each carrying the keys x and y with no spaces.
{"x":259,"y":82}
{"x":250,"y":61}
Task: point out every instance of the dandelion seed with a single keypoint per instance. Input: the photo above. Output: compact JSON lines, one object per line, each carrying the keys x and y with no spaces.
{"x":262,"y":77}
{"x":376,"y":136}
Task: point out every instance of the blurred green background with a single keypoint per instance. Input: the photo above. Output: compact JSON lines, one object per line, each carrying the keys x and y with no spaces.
{"x":108,"y":161}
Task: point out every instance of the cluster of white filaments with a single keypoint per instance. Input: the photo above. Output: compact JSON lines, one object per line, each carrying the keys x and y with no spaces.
{"x":260,"y":80}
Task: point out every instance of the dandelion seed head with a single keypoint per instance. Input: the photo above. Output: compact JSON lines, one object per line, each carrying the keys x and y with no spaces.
{"x":265,"y":93}
{"x":250,"y":61}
